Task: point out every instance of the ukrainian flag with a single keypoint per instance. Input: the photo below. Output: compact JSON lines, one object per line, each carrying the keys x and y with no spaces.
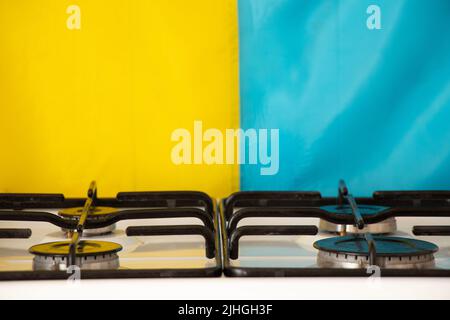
{"x":358,"y":89}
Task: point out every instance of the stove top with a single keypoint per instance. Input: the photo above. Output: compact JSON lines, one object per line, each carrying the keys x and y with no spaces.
{"x":135,"y":235}
{"x":281,"y":234}
{"x":249,"y":234}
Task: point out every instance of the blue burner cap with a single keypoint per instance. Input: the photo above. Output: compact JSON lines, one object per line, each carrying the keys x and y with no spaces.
{"x":366,"y":210}
{"x":385,"y":246}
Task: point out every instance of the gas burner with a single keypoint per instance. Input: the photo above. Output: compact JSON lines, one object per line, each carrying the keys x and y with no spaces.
{"x":343,"y":256}
{"x":387,"y":226}
{"x":95,"y":214}
{"x":352,"y":252}
{"x":194,"y":210}
{"x":90,"y":255}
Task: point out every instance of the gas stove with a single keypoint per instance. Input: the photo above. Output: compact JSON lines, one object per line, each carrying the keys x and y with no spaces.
{"x":135,"y":235}
{"x":282,"y":234}
{"x":249,"y":234}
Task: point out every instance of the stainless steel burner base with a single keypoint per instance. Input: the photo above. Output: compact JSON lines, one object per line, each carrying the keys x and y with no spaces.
{"x":347,"y":261}
{"x":96,"y":232}
{"x":100,"y":262}
{"x":384,"y":227}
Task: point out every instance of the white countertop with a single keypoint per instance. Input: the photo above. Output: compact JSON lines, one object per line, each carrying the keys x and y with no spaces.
{"x":232,"y":288}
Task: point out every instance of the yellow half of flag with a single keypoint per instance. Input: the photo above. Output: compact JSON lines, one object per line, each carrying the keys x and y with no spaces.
{"x":92,"y":90}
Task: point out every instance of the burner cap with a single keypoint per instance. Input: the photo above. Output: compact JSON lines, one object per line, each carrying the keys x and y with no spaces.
{"x":386,"y":246}
{"x":85,"y":248}
{"x":96,"y":212}
{"x":365,"y":210}
{"x":387,"y":226}
{"x":392,"y":252}
{"x":91,"y":255}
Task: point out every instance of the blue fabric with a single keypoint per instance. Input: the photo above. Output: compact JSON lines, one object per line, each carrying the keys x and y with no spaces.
{"x":369,"y":106}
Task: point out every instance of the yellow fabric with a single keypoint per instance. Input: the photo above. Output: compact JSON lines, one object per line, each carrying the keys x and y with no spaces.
{"x":101,"y":103}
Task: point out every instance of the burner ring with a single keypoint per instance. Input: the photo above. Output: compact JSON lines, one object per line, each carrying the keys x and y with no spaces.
{"x":96,"y":214}
{"x":392,"y":252}
{"x":384,"y":227}
{"x":91,"y":255}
